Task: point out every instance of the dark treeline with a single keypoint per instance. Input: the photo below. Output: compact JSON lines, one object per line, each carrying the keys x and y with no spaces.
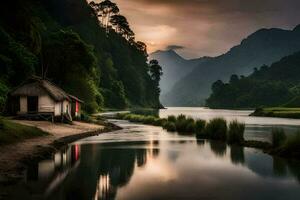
{"x":87,"y":49}
{"x":275,"y":85}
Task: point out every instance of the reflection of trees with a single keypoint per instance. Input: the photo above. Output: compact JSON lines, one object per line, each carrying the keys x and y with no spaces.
{"x":279,"y":167}
{"x":101,"y":171}
{"x":294,"y":168}
{"x":237,"y":154}
{"x":200,"y":142}
{"x":218,"y":147}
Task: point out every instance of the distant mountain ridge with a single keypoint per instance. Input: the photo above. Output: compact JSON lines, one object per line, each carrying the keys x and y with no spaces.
{"x":264,"y":46}
{"x":268,"y":86}
{"x":174,"y":67}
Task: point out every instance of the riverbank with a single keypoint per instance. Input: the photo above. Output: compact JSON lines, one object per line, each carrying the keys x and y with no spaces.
{"x":16,"y":156}
{"x":230,"y":132}
{"x":281,"y":112}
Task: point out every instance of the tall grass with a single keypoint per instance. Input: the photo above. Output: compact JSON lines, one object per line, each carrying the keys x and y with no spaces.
{"x":148,"y":120}
{"x":181,"y":123}
{"x":160,"y":122}
{"x":171,"y":118}
{"x":199,"y":128}
{"x":170,"y":126}
{"x":236,"y":132}
{"x":216,"y":129}
{"x":278,"y":137}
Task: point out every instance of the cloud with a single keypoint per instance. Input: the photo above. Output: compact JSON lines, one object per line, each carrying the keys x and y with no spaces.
{"x":205,"y":27}
{"x":175,"y":47}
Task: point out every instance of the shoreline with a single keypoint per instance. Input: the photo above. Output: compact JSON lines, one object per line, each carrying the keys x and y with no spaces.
{"x":41,"y":152}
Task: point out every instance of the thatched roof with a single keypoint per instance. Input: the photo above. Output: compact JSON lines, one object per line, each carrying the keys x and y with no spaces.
{"x":75,"y":98}
{"x":37,"y":86}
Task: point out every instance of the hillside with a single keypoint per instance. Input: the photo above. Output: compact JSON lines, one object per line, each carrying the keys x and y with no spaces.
{"x":269,"y":86}
{"x":174,"y":68}
{"x":262,"y":47}
{"x":64,"y":40}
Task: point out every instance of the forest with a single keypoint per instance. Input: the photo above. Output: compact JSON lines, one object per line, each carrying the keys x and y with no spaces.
{"x":88,"y":49}
{"x":268,"y":86}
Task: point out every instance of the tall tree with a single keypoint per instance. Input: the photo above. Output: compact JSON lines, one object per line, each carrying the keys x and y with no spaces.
{"x":121,"y":25}
{"x":142,"y":47}
{"x":107,"y":9}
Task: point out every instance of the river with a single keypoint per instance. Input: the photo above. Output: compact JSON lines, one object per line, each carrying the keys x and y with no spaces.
{"x":143,"y":162}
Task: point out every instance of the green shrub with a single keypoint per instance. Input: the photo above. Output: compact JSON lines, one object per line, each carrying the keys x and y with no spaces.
{"x":170,"y":126}
{"x":190,"y":127}
{"x":85,"y":118}
{"x":181,"y":118}
{"x":278,"y":137}
{"x":199,"y":128}
{"x":137,"y":118}
{"x":159,"y":122}
{"x":216,"y":129}
{"x":236,"y":132}
{"x":149,"y":120}
{"x":172,"y":118}
{"x":181,"y":123}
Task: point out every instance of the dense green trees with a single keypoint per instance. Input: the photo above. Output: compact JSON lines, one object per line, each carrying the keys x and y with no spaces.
{"x":87,"y":49}
{"x":277,"y":85}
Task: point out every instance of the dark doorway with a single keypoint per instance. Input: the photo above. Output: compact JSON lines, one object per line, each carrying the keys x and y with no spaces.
{"x":32,"y":104}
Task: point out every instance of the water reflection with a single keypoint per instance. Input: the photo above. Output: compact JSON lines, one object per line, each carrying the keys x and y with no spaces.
{"x":219,"y":148}
{"x":154,"y":164}
{"x":257,"y":128}
{"x":237,"y":154}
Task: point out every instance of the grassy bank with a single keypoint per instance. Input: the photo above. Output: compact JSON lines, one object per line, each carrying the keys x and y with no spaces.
{"x":282,"y":112}
{"x":219,"y":129}
{"x":11,"y":132}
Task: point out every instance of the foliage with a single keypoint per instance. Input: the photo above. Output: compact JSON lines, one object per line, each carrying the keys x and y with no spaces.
{"x":216,"y":129}
{"x":278,"y":137}
{"x":171,"y":118}
{"x":70,"y":44}
{"x":277,"y":112}
{"x":170,"y":126}
{"x":160,"y":122}
{"x":268,"y":86}
{"x":199,"y":128}
{"x":3,"y":94}
{"x":80,"y":77}
{"x":236,"y":132}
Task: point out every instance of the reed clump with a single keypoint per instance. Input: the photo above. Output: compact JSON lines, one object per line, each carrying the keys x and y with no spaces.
{"x":200,"y":128}
{"x":236,"y":132}
{"x":170,"y":126}
{"x":216,"y":129}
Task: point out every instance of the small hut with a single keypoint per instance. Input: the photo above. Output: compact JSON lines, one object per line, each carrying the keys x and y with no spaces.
{"x":38,"y":97}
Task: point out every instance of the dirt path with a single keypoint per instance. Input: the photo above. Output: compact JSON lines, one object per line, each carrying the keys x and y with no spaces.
{"x":11,"y":156}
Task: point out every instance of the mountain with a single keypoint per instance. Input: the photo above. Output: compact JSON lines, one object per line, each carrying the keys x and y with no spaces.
{"x":67,"y":41}
{"x":262,"y":47}
{"x":269,"y":86}
{"x":174,"y":67}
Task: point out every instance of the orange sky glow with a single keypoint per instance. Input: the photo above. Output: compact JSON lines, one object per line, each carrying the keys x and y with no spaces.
{"x":204,"y":28}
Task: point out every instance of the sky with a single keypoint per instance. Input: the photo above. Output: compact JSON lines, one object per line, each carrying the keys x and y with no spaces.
{"x":198,"y":28}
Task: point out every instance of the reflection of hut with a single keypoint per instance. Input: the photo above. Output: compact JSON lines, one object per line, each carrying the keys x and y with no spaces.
{"x":38,"y":97}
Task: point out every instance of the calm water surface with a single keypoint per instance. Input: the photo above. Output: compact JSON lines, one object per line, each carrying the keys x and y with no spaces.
{"x":257,"y":128}
{"x":147,"y":163}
